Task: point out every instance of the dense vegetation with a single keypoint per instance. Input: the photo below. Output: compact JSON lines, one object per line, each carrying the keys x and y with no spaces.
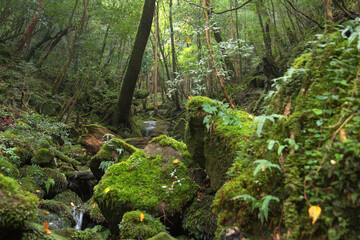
{"x":255,"y":106}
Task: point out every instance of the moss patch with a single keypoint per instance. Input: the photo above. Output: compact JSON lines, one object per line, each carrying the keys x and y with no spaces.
{"x":132,"y":227}
{"x":16,"y":205}
{"x":44,"y":158}
{"x":8,"y":169}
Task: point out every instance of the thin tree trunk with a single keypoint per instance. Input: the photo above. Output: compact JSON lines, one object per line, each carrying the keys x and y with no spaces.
{"x":328,"y":16}
{"x":156,"y":62}
{"x":29,"y":29}
{"x":218,"y":76}
{"x":47,"y":37}
{"x":233,"y":40}
{"x":71,"y":47}
{"x":176,"y":95}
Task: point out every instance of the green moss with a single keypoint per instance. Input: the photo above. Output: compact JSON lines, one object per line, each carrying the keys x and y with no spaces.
{"x":8,"y":169}
{"x":17,"y":206}
{"x":110,"y":152}
{"x":73,"y":234}
{"x":215,"y":150}
{"x":143,"y":183}
{"x":162,"y":236}
{"x":131,"y":227}
{"x":44,"y":158}
{"x":94,"y":211}
{"x":199,"y":220}
{"x":34,"y":231}
{"x":60,"y":214}
{"x":68,"y":197}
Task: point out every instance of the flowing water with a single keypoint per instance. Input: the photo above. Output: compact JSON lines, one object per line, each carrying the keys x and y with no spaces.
{"x":149,"y":126}
{"x":78,"y":213}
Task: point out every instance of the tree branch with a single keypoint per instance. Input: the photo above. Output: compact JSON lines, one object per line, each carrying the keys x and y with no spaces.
{"x":229,"y":10}
{"x":314,"y":21}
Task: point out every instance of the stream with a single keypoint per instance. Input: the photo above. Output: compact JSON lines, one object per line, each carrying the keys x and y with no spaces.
{"x":149,"y":127}
{"x":78,"y":214}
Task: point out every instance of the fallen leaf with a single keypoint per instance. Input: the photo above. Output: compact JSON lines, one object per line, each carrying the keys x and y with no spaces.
{"x":139,"y":194}
{"x":37,"y":191}
{"x":263,"y":168}
{"x":42,"y":200}
{"x":142,"y":217}
{"x":314,"y":213}
{"x":94,"y":205}
{"x":176,"y":161}
{"x":47,"y":213}
{"x":106,"y":190}
{"x":46,"y":227}
{"x":342,"y":135}
{"x":72,"y":204}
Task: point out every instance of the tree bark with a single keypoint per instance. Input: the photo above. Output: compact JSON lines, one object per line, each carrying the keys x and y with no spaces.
{"x":156,"y":63}
{"x":123,"y":115}
{"x":29,"y":29}
{"x":328,"y":16}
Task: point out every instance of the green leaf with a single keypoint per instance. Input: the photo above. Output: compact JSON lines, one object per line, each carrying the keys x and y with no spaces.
{"x":317,"y":111}
{"x":265,"y":201}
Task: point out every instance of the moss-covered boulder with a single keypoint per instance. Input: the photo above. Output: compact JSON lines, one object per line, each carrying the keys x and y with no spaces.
{"x":139,"y":225}
{"x":44,"y":158}
{"x":94,"y":136}
{"x":17,"y":206}
{"x":67,"y":197}
{"x":199,"y":220}
{"x":214,"y":133}
{"x":114,"y":151}
{"x":169,"y":149}
{"x":8,"y":169}
{"x":35,"y":231}
{"x":93,"y":211}
{"x":73,"y":234}
{"x":162,"y":236}
{"x":48,"y":182}
{"x":145,"y":183}
{"x":56,"y":213}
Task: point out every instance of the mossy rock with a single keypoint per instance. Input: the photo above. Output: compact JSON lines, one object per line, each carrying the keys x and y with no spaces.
{"x":162,"y":236}
{"x":73,"y":234}
{"x":50,"y":108}
{"x":199,"y":220}
{"x":49,"y":181}
{"x":179,"y":129}
{"x":44,"y":158}
{"x":144,"y":183}
{"x":133,"y":227}
{"x":59,"y":214}
{"x":94,"y":212}
{"x":215,"y":150}
{"x":94,"y":136}
{"x":169,"y":149}
{"x":67,"y":197}
{"x":116,"y":150}
{"x":17,"y":206}
{"x":34,"y":231}
{"x":8,"y":169}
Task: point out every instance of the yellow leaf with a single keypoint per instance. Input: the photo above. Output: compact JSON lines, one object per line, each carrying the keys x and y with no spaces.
{"x":176,"y":161}
{"x":188,"y":39}
{"x":37,"y":191}
{"x":106,"y":190}
{"x":72,"y":204}
{"x":46,"y":227}
{"x":94,"y":205}
{"x":314,"y":213}
{"x":342,"y":135}
{"x":142,"y":217}
{"x":263,"y":168}
{"x":47,"y":213}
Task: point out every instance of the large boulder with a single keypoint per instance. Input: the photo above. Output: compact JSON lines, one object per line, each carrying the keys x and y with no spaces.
{"x":147,"y":183}
{"x":114,"y":151}
{"x":44,"y":158}
{"x":17,"y":206}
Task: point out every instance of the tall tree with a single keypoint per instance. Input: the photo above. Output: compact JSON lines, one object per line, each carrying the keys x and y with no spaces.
{"x":29,"y":29}
{"x":122,"y":114}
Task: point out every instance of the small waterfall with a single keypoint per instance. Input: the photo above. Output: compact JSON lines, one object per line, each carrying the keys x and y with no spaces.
{"x":149,"y":126}
{"x":78,"y":214}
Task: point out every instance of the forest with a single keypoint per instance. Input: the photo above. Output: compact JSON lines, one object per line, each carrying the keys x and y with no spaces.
{"x":179,"y":119}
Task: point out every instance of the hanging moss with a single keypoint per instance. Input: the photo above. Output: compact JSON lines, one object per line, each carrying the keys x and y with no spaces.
{"x":132,"y":227}
{"x":16,"y":205}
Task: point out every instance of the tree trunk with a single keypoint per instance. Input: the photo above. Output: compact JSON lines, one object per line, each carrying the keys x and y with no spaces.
{"x":328,"y":16}
{"x":47,"y":37}
{"x":123,"y":114}
{"x":29,"y":29}
{"x":156,"y":63}
{"x":176,"y":95}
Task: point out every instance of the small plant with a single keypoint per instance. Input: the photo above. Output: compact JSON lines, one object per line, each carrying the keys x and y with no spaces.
{"x":260,"y":120}
{"x":262,"y":205}
{"x":263,"y":164}
{"x":105,"y":165}
{"x":49,"y":183}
